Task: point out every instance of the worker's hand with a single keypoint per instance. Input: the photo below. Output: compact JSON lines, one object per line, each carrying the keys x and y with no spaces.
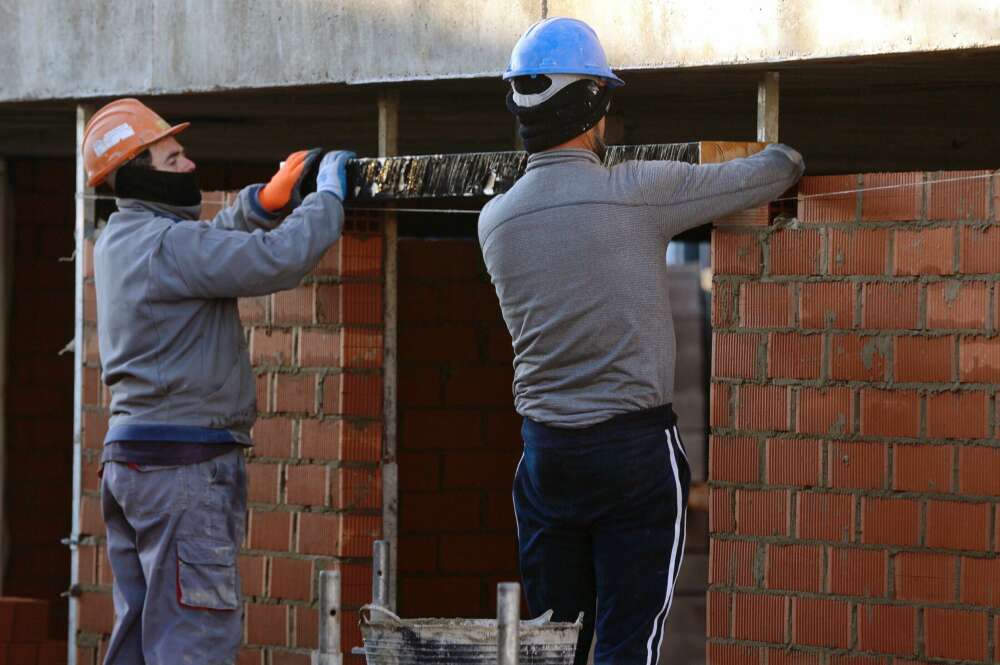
{"x":277,"y":193}
{"x":332,"y":176}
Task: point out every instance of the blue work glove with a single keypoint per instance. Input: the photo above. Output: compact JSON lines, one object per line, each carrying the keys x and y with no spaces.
{"x":332,"y":176}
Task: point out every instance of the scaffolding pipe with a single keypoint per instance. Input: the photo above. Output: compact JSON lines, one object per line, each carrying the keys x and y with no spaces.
{"x":380,"y":573}
{"x":508,"y":623}
{"x":329,"y":620}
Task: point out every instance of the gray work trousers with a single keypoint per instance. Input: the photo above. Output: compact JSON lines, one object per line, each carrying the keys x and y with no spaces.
{"x":174,"y":533}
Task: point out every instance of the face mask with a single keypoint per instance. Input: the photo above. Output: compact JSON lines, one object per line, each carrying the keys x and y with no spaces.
{"x":145,"y":184}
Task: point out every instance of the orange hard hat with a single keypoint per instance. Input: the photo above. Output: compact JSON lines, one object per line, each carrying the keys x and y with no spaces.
{"x":117,"y":133}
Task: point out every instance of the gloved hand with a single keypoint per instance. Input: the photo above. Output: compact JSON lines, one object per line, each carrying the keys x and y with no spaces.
{"x":332,"y":176}
{"x":277,"y":193}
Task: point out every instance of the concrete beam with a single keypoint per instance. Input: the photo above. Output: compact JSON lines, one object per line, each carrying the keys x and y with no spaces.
{"x":51,"y":49}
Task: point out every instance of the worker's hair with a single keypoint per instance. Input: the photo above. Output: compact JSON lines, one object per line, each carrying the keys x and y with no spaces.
{"x":144,"y":160}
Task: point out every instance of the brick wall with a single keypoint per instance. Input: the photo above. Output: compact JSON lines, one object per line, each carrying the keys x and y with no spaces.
{"x":855,"y":457}
{"x":39,"y":399}
{"x":314,"y":478}
{"x":459,"y":437}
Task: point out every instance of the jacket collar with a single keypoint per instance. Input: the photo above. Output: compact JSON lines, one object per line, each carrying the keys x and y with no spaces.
{"x":561,"y":156}
{"x":176,"y":213}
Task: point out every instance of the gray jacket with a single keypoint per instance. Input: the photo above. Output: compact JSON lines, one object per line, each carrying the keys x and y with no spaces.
{"x":576,"y":252}
{"x":172,"y":346}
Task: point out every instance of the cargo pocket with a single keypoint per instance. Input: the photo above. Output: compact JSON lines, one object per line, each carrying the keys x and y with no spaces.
{"x":206,"y":574}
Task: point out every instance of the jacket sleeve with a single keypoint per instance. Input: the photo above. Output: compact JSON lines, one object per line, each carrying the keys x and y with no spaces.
{"x":684,"y":196}
{"x":246,"y":214}
{"x":200,"y":260}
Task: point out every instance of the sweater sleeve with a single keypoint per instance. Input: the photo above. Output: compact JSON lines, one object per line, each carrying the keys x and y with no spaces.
{"x":246,"y":213}
{"x":199,"y":260}
{"x":684,"y":196}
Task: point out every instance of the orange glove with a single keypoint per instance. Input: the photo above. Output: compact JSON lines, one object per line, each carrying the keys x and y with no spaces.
{"x":276,"y":194}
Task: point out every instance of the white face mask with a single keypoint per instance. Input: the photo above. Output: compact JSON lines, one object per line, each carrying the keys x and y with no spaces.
{"x":559,"y":81}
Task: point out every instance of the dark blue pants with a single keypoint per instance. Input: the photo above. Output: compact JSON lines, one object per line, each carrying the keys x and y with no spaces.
{"x":600,"y":522}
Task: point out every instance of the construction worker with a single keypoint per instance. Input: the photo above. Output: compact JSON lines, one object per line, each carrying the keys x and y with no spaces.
{"x":576,"y":252}
{"x":183,"y":395}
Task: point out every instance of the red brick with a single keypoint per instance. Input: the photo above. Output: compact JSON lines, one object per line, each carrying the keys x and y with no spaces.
{"x":357,"y":489}
{"x":953,"y":305}
{"x":979,"y":468}
{"x":721,"y":514}
{"x":958,"y":526}
{"x":955,"y":634}
{"x":826,"y":305}
{"x":924,"y":359}
{"x":794,"y":356}
{"x":756,"y":216}
{"x":271,"y":346}
{"x":762,"y":408}
{"x":762,"y":513}
{"x":440,"y":512}
{"x":480,"y":386}
{"x":499,"y":512}
{"x":831,"y":208}
{"x":980,"y":251}
{"x":306,"y":484}
{"x":270,"y":530}
{"x":295,"y":393}
{"x":765,"y":305}
{"x":925,"y":252}
{"x":735,"y":355}
{"x":293,"y":306}
{"x":858,"y":358}
{"x":721,"y":412}
{"x":262,"y":486}
{"x":96,"y":612}
{"x":361,"y":254}
{"x":901,"y":200}
{"x":355,"y":583}
{"x":718,"y":614}
{"x":725,"y":304}
{"x":418,"y":302}
{"x":732,"y":654}
{"x":95,"y":428}
{"x":252,"y":574}
{"x":794,"y":567}
{"x":731,"y":562}
{"x":475,"y":301}
{"x":960,"y":200}
{"x":887,"y":629}
{"x":353,"y":395}
{"x":318,"y":534}
{"x":795,"y":253}
{"x":858,"y":572}
{"x":360,"y":441}
{"x":357,"y":533}
{"x":858,"y":252}
{"x":263,"y":386}
{"x":820,"y":622}
{"x":426,"y":429}
{"x":328,"y":303}
{"x":272,"y":437}
{"x":922,"y":468}
{"x":825,"y":517}
{"x":890,"y":413}
{"x":266,"y":624}
{"x":734,"y":459}
{"x":319,"y":348}
{"x":825,"y":411}
{"x":890,"y":521}
{"x":735,"y":253}
{"x":291,"y":579}
{"x":479,"y":469}
{"x":290,"y":658}
{"x":441,"y":343}
{"x":923,"y":576}
{"x":91,"y":520}
{"x":759,"y":618}
{"x":980,"y":582}
{"x":890,"y":306}
{"x":794,"y":462}
{"x":498,"y":345}
{"x":361,"y":348}
{"x":979,"y":359}
{"x":422,"y":596}
{"x":479,"y":553}
{"x":786,"y":656}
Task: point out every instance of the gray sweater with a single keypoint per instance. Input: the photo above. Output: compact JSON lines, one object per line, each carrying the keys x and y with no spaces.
{"x":171,"y":341}
{"x":576,"y":252}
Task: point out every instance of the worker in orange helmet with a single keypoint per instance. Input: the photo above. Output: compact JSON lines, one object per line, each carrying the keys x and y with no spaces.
{"x":183,"y":394}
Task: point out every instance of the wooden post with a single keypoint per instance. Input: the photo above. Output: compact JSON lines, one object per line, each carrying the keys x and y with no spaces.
{"x":388,"y":145}
{"x":767,"y":108}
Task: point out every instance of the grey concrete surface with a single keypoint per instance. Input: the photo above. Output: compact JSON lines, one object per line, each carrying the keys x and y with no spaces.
{"x":62,"y":49}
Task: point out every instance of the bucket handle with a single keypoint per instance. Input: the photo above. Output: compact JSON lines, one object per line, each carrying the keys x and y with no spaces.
{"x":372,"y":613}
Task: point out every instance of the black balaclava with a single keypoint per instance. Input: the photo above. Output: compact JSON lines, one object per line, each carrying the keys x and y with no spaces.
{"x":146,"y":184}
{"x":567,"y":114}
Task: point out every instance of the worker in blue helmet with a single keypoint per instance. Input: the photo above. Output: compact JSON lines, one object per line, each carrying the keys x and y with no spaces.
{"x":576,"y":252}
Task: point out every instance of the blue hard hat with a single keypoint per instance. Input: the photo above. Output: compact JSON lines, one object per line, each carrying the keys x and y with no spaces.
{"x":560,"y":45}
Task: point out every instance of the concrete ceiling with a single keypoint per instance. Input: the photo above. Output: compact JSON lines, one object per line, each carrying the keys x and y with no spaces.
{"x":883,"y":113}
